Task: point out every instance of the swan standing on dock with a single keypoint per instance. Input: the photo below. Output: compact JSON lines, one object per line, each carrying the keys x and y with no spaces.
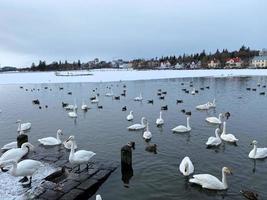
{"x":23,"y":126}
{"x":183,"y":129}
{"x":130,"y":116}
{"x":140,"y":98}
{"x":208,"y":181}
{"x":25,"y":168}
{"x":214,"y":141}
{"x":186,"y":166}
{"x":51,"y":141}
{"x":257,"y":153}
{"x":79,"y":157}
{"x":147,"y":134}
{"x":227,"y":137}
{"x":215,"y":120}
{"x":160,"y":121}
{"x":138,"y":126}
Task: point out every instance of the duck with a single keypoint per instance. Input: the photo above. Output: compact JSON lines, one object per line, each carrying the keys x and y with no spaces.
{"x":257,"y":153}
{"x":79,"y":157}
{"x":186,"y":166}
{"x":152,"y":148}
{"x":215,"y":120}
{"x":160,"y":121}
{"x":73,"y":114}
{"x":140,"y":98}
{"x":183,"y":129}
{"x":52,"y":141}
{"x":57,"y":177}
{"x":23,"y":126}
{"x":249,"y":195}
{"x":211,"y":182}
{"x":150,"y":101}
{"x":25,"y":168}
{"x":147,"y":135}
{"x":214,"y":141}
{"x":226,"y":136}
{"x":124,"y":108}
{"x":130,"y":116}
{"x":135,"y":127}
{"x":98,"y":197}
{"x":95,"y":100}
{"x":16,"y":154}
{"x":164,"y":107}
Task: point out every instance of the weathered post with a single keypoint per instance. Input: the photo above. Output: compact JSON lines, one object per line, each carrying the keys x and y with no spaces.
{"x":22,"y":138}
{"x":126,"y":163}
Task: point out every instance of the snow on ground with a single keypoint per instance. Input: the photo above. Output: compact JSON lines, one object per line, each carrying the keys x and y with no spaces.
{"x":124,"y":75}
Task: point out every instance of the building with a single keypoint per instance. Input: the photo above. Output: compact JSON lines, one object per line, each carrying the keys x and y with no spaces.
{"x":263,"y":52}
{"x":214,"y":64}
{"x":233,"y":62}
{"x":165,"y":65}
{"x":260,"y":61}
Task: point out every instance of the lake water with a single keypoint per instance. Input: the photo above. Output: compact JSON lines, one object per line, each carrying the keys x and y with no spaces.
{"x":155,"y":176}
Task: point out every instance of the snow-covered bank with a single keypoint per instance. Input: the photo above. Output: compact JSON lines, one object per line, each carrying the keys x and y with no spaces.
{"x":124,"y":75}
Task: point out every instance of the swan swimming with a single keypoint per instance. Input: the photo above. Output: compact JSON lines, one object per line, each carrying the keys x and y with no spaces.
{"x":186,"y":166}
{"x":208,"y":181}
{"x":130,"y":116}
{"x":23,"y":126}
{"x":257,"y":153}
{"x":160,"y":121}
{"x":109,"y":94}
{"x":96,"y":100}
{"x":138,"y":126}
{"x":214,"y":141}
{"x":147,"y":134}
{"x":227,"y":137}
{"x":183,"y":129}
{"x":79,"y":157}
{"x":140,"y":98}
{"x":73,"y":114}
{"x":84,"y":106}
{"x":215,"y":120}
{"x":207,"y":105}
{"x":51,"y":141}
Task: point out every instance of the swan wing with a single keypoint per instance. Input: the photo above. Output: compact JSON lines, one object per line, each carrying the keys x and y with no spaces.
{"x":83,"y":155}
{"x":207,"y":181}
{"x":229,"y":137}
{"x":13,"y":154}
{"x":214,"y":120}
{"x":10,"y":145}
{"x":136,"y":127}
{"x":27,"y":167}
{"x":49,"y":141}
{"x":180,"y":128}
{"x":261,"y":153}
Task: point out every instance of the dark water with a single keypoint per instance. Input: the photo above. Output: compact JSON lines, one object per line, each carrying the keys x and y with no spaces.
{"x":155,"y":176}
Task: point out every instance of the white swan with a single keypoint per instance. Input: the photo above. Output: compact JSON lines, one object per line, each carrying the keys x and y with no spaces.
{"x":215,"y":120}
{"x":208,"y":181}
{"x":227,"y":137}
{"x":67,"y":144}
{"x":109,"y":94}
{"x":193,"y":91}
{"x":257,"y":153}
{"x":186,"y":166}
{"x":84,"y":106}
{"x":73,"y":114}
{"x":147,"y":135}
{"x":213,"y":104}
{"x":140,"y":98}
{"x":138,"y":126}
{"x":96,"y":100}
{"x":183,"y":129}
{"x":71,"y":107}
{"x":51,"y":141}
{"x":160,"y":121}
{"x":10,"y":145}
{"x":23,"y":126}
{"x":98,"y":197}
{"x":79,"y":157}
{"x":25,"y":168}
{"x":203,"y":106}
{"x":130,"y":116}
{"x":214,"y":141}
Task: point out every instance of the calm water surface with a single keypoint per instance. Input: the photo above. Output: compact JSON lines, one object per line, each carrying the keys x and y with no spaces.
{"x":155,"y":176}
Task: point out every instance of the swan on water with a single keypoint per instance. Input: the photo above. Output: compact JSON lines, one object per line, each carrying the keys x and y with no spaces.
{"x":140,"y":98}
{"x":215,"y":120}
{"x":96,"y":100}
{"x":212,"y":104}
{"x":208,"y":181}
{"x":79,"y":157}
{"x":207,"y":105}
{"x":182,"y":128}
{"x":23,"y":126}
{"x":138,"y":126}
{"x":73,"y":114}
{"x":160,"y":120}
{"x":98,"y":197}
{"x":84,"y":106}
{"x":193,"y":91}
{"x":51,"y":141}
{"x":109,"y":94}
{"x":130,"y":116}
{"x":186,"y":166}
{"x":214,"y":141}
{"x":257,"y":153}
{"x":25,"y":168}
{"x":147,"y":135}
{"x":226,"y":136}
{"x":71,"y":107}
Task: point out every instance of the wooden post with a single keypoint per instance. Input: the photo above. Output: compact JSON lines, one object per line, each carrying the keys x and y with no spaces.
{"x":22,"y":138}
{"x":126,"y":163}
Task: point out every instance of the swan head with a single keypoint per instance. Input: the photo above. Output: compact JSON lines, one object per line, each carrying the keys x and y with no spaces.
{"x":227,"y":115}
{"x":71,"y":138}
{"x":131,"y":112}
{"x":27,"y":145}
{"x":226,"y":170}
{"x":59,"y":132}
{"x":254,"y":142}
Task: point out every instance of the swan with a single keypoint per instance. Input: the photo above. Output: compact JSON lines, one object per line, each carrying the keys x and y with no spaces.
{"x":257,"y":153}
{"x":147,"y":134}
{"x":138,"y":126}
{"x":67,"y":144}
{"x":25,"y":168}
{"x":140,"y":98}
{"x":17,"y":153}
{"x":208,"y":181}
{"x":212,"y":104}
{"x":186,"y":166}
{"x":227,"y":137}
{"x":203,"y":106}
{"x":215,"y":120}
{"x":109,"y":94}
{"x":214,"y":141}
{"x":23,"y":126}
{"x":183,"y":129}
{"x":10,"y":145}
{"x":51,"y":141}
{"x":160,"y":121}
{"x":79,"y":157}
{"x":130,"y":116}
{"x":96,"y":100}
{"x":84,"y":106}
{"x":73,"y":114}
{"x":71,"y":107}
{"x":98,"y":197}
{"x":193,"y":91}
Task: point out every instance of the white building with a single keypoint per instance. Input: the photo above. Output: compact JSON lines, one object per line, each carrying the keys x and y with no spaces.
{"x":214,"y":64}
{"x":259,"y":61}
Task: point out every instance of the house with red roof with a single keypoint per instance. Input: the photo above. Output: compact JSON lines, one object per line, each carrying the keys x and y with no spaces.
{"x":233,"y":62}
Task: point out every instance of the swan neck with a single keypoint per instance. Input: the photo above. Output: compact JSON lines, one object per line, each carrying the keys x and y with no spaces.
{"x":58,"y":137}
{"x":224,"y":128}
{"x":71,"y":150}
{"x":254,"y":150}
{"x":188,"y":122}
{"x":224,"y":180}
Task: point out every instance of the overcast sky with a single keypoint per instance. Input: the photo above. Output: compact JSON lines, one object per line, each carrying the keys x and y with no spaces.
{"x":33,"y":30}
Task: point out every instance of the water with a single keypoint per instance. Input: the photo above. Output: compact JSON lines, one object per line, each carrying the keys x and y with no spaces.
{"x":155,"y":176}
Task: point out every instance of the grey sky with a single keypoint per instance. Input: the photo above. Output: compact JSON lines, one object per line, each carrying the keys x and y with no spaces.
{"x":109,"y":29}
